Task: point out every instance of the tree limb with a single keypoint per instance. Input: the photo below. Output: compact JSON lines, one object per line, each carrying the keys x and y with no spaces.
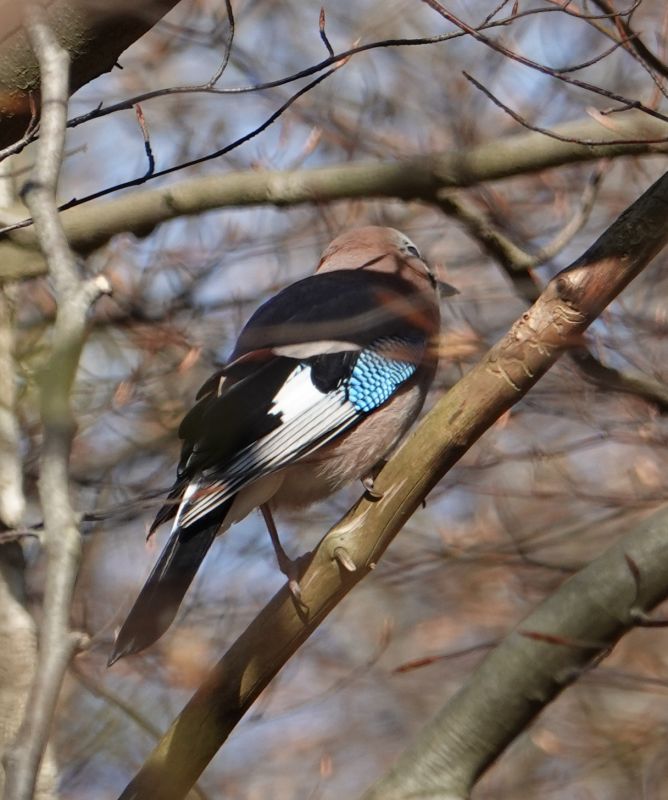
{"x":18,"y":632}
{"x":93,"y":33}
{"x":61,"y":535}
{"x":566,"y":635}
{"x":518,"y":266}
{"x":419,"y":178}
{"x":569,"y":304}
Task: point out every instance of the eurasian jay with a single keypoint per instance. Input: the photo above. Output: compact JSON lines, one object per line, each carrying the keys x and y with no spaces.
{"x":325,"y":379}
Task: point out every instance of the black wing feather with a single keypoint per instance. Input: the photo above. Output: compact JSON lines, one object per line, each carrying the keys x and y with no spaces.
{"x":329,"y":371}
{"x":159,"y":600}
{"x":221,"y":424}
{"x":351,"y":305}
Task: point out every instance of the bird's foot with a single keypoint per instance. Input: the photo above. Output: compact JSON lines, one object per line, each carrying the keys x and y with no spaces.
{"x":294,"y":569}
{"x":369,"y":480}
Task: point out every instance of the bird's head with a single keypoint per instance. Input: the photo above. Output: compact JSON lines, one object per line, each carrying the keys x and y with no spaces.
{"x":381,"y":249}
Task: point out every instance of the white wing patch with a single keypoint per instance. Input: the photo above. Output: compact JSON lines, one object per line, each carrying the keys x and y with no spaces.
{"x":296,"y":395}
{"x":191,"y":488}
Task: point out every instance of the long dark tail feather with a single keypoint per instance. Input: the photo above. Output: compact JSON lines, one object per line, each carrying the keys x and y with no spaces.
{"x":160,"y":598}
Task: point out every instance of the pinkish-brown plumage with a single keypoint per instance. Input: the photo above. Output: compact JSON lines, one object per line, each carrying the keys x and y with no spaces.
{"x":325,"y":380}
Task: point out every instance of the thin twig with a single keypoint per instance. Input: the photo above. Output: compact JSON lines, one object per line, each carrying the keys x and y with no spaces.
{"x":141,"y":119}
{"x":633,"y":40}
{"x":30,"y":134}
{"x":535,"y":65}
{"x":217,"y":75}
{"x":323,"y":32}
{"x":513,"y":258}
{"x":628,"y":39}
{"x":209,"y":88}
{"x":526,"y":124}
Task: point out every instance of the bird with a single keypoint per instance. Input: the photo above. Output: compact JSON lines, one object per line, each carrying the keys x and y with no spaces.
{"x":325,"y":379}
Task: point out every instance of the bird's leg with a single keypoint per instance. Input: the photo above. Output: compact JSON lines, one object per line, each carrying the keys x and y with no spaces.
{"x":369,"y":479}
{"x":287,"y":566}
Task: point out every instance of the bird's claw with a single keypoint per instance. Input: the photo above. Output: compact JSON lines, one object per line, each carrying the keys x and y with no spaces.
{"x":294,"y":569}
{"x":295,"y":589}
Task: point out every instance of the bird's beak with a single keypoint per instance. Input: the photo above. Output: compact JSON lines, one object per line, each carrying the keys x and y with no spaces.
{"x":445,"y":290}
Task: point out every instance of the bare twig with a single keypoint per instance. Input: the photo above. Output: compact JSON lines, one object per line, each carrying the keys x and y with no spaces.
{"x":522,"y":121}
{"x":622,"y":35}
{"x":610,"y":379}
{"x":323,"y":32}
{"x":141,"y":119}
{"x":502,"y":4}
{"x":593,"y":60}
{"x":57,"y":642}
{"x":98,"y":689}
{"x":217,"y":75}
{"x":334,"y":58}
{"x":632,"y":40}
{"x":512,"y":257}
{"x":535,"y":65}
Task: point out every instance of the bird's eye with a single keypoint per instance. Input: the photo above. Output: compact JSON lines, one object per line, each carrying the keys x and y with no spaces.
{"x":412,"y":249}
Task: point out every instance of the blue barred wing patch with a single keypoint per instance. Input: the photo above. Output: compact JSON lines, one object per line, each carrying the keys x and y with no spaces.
{"x":376,"y":375}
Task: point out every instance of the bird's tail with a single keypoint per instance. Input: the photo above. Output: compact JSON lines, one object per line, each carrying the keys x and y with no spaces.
{"x":160,"y":598}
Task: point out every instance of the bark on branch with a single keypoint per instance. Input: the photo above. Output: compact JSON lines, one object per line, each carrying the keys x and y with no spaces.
{"x":74,"y":296}
{"x":569,"y":304}
{"x":18,"y":632}
{"x":94,"y":33}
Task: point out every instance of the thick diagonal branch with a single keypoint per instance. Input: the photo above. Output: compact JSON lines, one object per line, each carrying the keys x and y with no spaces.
{"x":569,"y":304}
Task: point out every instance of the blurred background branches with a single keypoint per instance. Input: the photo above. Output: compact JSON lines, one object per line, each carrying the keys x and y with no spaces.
{"x":397,"y":134}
